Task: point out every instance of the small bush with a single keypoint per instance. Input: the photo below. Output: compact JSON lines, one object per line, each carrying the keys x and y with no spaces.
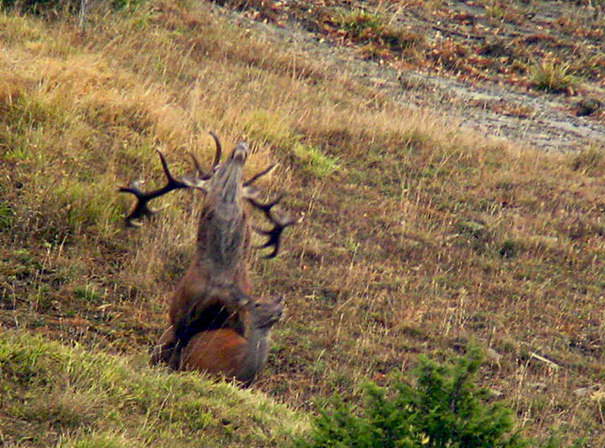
{"x":359,"y":25}
{"x":444,"y":409}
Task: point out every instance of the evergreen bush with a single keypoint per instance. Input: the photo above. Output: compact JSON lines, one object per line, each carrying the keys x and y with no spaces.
{"x":444,"y":409}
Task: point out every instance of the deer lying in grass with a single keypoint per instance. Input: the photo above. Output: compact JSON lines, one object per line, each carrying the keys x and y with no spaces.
{"x":225,"y":351}
{"x":212,"y":304}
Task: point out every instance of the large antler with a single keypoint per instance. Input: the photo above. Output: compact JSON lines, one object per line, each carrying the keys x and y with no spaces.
{"x":203,"y":175}
{"x":279,"y":222}
{"x":141,"y":209}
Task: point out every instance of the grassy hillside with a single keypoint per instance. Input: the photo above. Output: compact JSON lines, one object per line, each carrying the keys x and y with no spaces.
{"x":52,"y":394}
{"x":417,"y":237}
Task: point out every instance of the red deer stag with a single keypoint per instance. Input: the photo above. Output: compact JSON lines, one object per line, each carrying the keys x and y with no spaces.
{"x":211,"y":306}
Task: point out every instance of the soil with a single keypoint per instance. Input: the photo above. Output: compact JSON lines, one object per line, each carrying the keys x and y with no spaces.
{"x":481,"y":90}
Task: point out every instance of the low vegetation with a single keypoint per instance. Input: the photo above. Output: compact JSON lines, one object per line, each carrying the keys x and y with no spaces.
{"x":484,"y":40}
{"x":53,"y":395}
{"x":418,"y":237}
{"x":553,"y":76}
{"x":442,"y":409}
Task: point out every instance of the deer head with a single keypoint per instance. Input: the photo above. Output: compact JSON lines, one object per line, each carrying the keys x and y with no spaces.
{"x":220,"y":234}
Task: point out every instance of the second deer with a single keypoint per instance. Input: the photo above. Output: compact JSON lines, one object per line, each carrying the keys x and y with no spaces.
{"x":224,"y":351}
{"x":211,"y":307}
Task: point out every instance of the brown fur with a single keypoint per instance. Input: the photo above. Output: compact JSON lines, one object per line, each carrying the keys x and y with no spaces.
{"x":224,"y":351}
{"x":214,"y":289}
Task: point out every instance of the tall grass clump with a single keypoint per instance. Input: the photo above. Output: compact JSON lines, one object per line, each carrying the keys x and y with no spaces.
{"x":590,"y":161}
{"x":358,"y":24}
{"x":552,"y":76}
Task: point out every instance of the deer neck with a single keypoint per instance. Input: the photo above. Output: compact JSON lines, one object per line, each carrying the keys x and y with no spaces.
{"x":223,"y":234}
{"x":222,"y":242}
{"x":257,"y":352}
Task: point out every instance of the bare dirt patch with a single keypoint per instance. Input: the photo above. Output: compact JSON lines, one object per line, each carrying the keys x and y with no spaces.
{"x":472,"y":62}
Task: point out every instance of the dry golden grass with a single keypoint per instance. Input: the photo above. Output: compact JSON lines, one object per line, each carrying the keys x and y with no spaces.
{"x":417,"y":238}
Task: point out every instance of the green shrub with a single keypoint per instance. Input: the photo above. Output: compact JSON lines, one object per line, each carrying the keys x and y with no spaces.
{"x":444,"y":409}
{"x":359,"y":25}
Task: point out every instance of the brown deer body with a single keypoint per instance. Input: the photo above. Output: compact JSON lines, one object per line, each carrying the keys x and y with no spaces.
{"x":212,"y":302}
{"x":225,"y":351}
{"x":216,"y":285}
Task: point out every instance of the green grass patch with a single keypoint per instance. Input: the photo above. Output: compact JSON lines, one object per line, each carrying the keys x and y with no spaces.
{"x":101,"y":400}
{"x":314,"y":160}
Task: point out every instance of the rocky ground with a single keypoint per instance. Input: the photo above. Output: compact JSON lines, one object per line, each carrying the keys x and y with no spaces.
{"x":473,"y":65}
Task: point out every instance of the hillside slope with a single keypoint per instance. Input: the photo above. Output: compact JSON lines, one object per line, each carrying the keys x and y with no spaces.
{"x":532,"y":72}
{"x":70,"y":397}
{"x":418,"y":235}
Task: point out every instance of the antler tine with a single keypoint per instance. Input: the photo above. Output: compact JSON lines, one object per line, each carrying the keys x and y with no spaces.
{"x":259,"y":175}
{"x":219,"y":150}
{"x":279,"y":225}
{"x":203,"y":174}
{"x":141,"y":208}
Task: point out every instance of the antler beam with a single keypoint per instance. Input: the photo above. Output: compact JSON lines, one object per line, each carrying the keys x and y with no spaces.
{"x":141,"y":209}
{"x":279,"y":224}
